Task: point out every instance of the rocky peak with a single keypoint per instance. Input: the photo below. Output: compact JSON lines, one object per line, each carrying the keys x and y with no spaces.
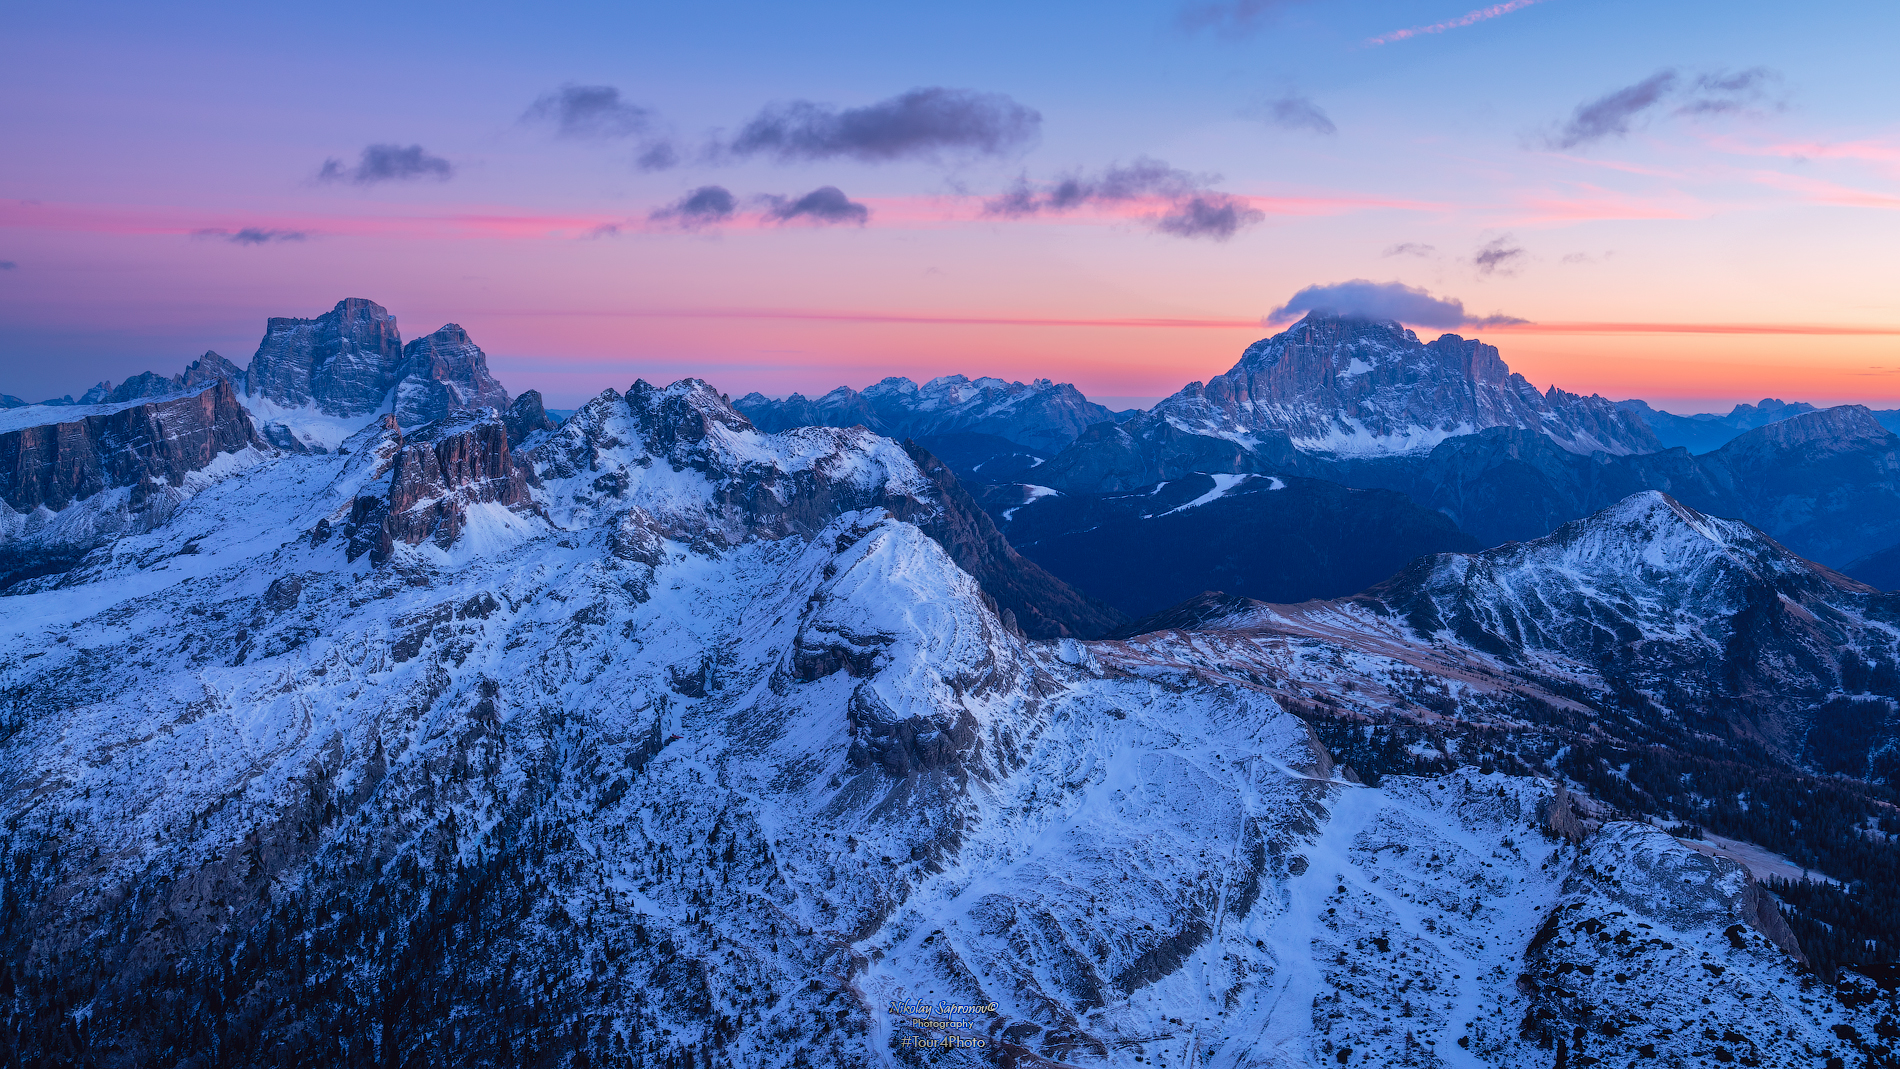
{"x":146,"y":384}
{"x":1350,"y":386}
{"x":527,"y":416}
{"x":1844,"y":428}
{"x":445,"y":372}
{"x":208,"y":368}
{"x":676,"y":421}
{"x":343,"y":362}
{"x":435,"y":475}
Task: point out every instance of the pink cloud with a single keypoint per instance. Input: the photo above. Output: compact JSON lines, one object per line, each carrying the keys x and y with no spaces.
{"x":1807,"y":329}
{"x":925,"y":319}
{"x":1819,"y":191}
{"x":1595,"y":202}
{"x":1467,"y":19}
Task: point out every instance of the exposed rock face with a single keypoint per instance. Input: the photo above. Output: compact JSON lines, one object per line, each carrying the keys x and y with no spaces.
{"x":343,"y":361}
{"x":55,"y":464}
{"x":526,"y":416}
{"x":73,"y":486}
{"x":442,"y":373}
{"x":434,"y":476}
{"x":207,"y":368}
{"x":1340,"y":385}
{"x":1333,"y":390}
{"x":1042,"y":416}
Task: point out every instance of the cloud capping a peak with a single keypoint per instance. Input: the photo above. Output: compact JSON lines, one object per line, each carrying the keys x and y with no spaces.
{"x":826,"y":205}
{"x":924,"y":123}
{"x":1384,"y":300}
{"x":388,"y":163}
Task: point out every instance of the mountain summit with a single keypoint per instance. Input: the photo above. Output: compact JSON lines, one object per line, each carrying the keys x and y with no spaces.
{"x":1354,"y":386}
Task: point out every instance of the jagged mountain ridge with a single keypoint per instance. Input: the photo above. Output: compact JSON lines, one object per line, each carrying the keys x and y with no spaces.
{"x":1335,"y":387}
{"x":703,"y":751}
{"x":1348,"y":385}
{"x":1827,"y":483}
{"x":314,"y":382}
{"x":1647,"y":608}
{"x":1041,"y":416}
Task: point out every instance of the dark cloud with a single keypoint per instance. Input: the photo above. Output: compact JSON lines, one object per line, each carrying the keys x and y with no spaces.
{"x":1411,"y":248}
{"x":1610,"y":115}
{"x":921,"y":124}
{"x":253,"y":235}
{"x":1143,"y":178}
{"x":1233,"y":18}
{"x":599,"y":113}
{"x":1498,"y":255}
{"x":1384,"y":300}
{"x":8,"y":265}
{"x":388,"y":163}
{"x":704,"y":206}
{"x":1722,"y":93}
{"x":1295,"y":112}
{"x":1193,"y":209}
{"x":657,"y":156}
{"x":1208,"y":215}
{"x":590,"y":111}
{"x":825,"y":205}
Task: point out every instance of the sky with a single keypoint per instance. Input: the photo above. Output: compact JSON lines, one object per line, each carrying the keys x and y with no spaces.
{"x":1691,"y":202}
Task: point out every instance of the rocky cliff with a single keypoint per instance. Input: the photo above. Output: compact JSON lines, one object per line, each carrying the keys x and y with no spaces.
{"x":74,"y":484}
{"x":343,"y":362}
{"x":435,"y":476}
{"x":157,"y":443}
{"x":1343,"y":385}
{"x":442,"y":373}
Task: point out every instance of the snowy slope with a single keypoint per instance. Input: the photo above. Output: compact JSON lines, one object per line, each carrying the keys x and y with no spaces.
{"x":705,"y":751}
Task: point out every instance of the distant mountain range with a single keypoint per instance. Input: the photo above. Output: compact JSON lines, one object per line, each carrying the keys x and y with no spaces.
{"x":655,"y":738}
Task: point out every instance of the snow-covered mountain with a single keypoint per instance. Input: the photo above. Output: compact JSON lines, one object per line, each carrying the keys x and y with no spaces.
{"x":1348,"y":385}
{"x":1333,"y":388}
{"x":1648,"y":611}
{"x":662,"y":740}
{"x":1041,"y":416}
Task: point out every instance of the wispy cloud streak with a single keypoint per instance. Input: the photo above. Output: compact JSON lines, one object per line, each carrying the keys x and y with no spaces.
{"x":1469,"y":18}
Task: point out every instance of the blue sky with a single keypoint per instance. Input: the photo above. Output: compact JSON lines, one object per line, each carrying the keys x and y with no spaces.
{"x":146,"y":145}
